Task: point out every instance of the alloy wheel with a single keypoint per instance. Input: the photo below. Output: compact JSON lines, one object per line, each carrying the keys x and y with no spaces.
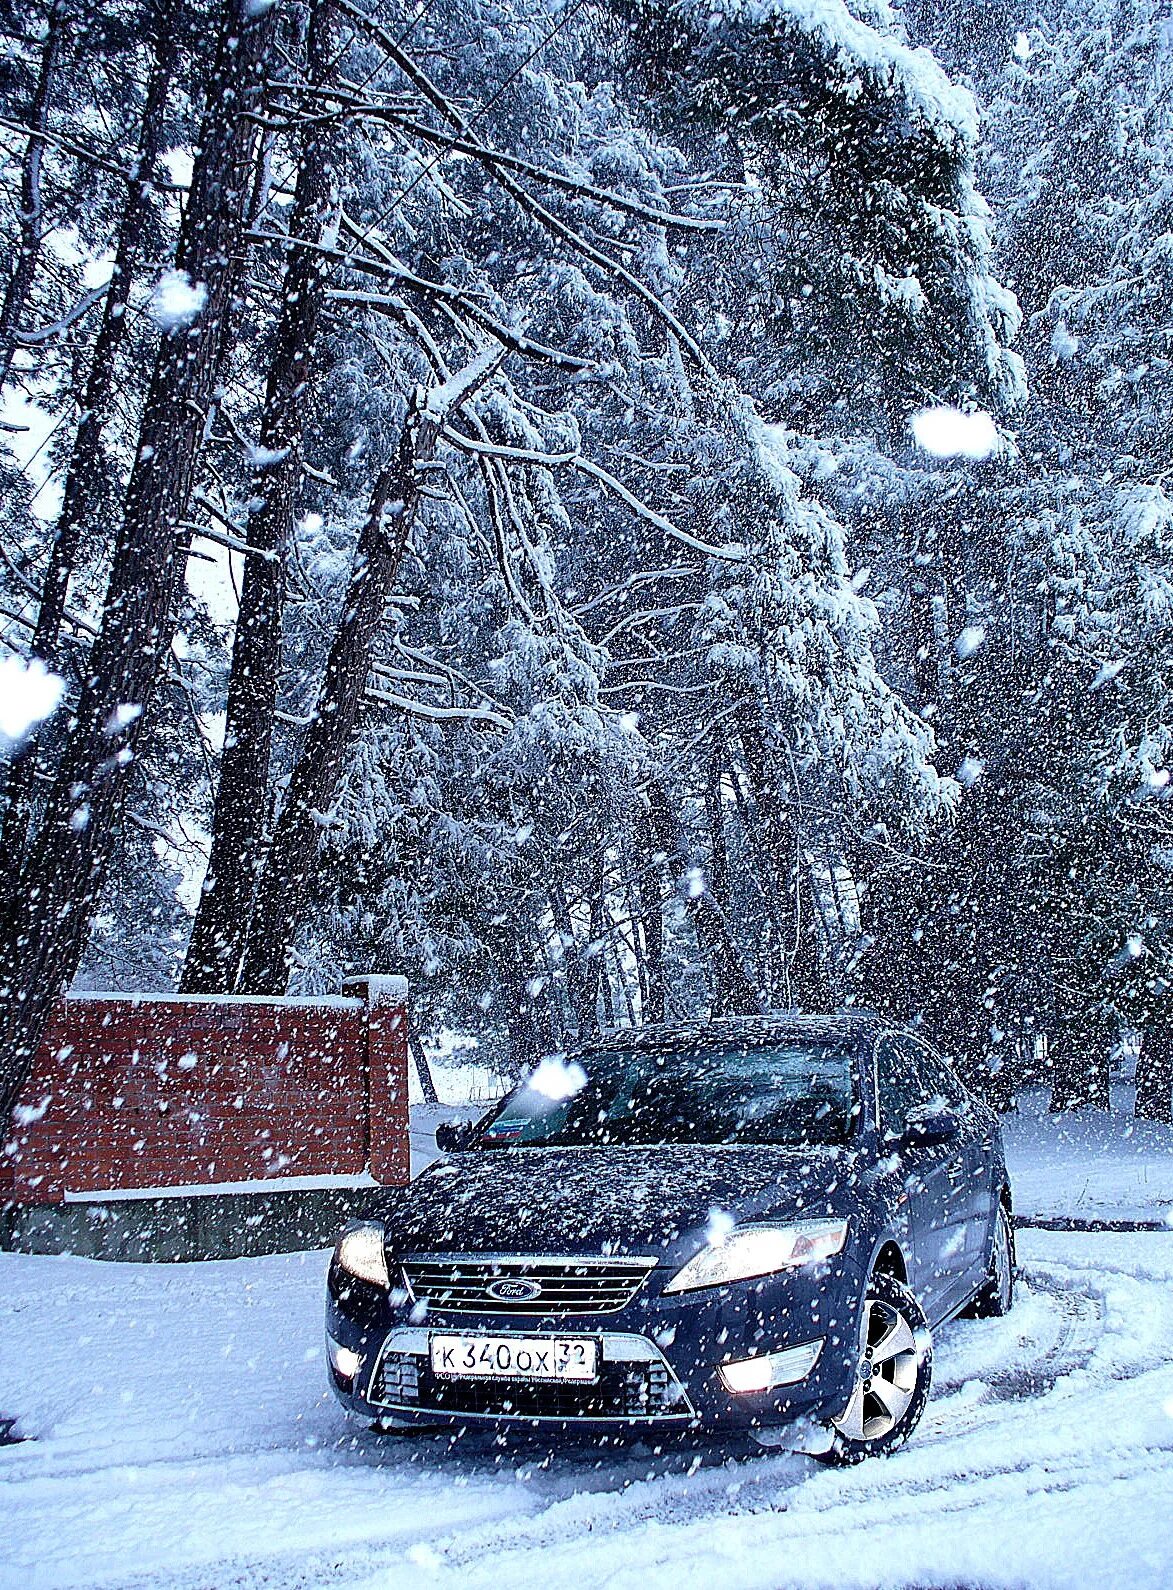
{"x":889,"y":1370}
{"x":893,"y":1373}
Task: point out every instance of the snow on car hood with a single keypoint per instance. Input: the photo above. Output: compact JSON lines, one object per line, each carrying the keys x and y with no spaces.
{"x":611,"y":1199}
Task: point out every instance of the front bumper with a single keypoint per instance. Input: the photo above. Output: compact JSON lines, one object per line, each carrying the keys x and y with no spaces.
{"x":660,"y":1362}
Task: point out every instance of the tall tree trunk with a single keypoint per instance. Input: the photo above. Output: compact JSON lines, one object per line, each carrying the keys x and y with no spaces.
{"x":1154,"y":1073}
{"x":527,"y":1042}
{"x":609,"y":952}
{"x":44,"y":928}
{"x":888,"y":893}
{"x":422,"y":1069}
{"x":715,"y":815}
{"x":593,"y":960}
{"x":653,"y":1003}
{"x":292,"y":863}
{"x":242,"y":796}
{"x":807,"y":986}
{"x":766,"y":955}
{"x":86,"y":487}
{"x":623,"y":983}
{"x":923,"y":636}
{"x":646,"y":902}
{"x":574,"y":981}
{"x":732,"y":989}
{"x":1079,"y":1057}
{"x":28,"y":249}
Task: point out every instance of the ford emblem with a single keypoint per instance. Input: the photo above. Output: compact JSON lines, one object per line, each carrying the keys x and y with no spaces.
{"x":514,"y":1289}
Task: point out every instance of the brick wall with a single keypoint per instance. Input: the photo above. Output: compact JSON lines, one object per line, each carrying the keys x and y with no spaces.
{"x":137,"y":1092}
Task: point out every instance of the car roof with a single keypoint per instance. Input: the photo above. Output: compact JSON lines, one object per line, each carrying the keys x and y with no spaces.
{"x":769,"y":1027}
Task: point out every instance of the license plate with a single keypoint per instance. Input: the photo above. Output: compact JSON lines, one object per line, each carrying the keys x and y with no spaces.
{"x":515,"y":1357}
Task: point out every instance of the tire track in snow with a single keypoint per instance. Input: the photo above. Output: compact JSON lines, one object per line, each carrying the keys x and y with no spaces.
{"x":1080,"y":1316}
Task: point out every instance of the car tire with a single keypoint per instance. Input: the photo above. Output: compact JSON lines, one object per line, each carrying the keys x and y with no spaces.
{"x":996,"y":1297}
{"x":894,"y":1374}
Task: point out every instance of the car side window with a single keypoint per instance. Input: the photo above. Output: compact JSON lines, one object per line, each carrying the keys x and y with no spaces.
{"x":898,"y":1084}
{"x":937,"y":1079}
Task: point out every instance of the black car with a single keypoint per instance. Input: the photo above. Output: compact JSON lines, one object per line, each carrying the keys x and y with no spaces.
{"x":741,"y":1227}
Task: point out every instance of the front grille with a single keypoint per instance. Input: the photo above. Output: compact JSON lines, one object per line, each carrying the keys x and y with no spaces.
{"x":567,"y":1286}
{"x":623,"y":1391}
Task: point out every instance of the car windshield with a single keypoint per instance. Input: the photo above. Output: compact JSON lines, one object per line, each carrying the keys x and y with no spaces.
{"x":795,"y":1091}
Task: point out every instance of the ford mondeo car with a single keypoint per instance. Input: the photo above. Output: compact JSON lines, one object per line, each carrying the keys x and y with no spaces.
{"x":744,"y":1228}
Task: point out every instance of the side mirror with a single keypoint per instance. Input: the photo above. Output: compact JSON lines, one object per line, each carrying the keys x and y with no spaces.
{"x":453,"y":1137}
{"x":928,"y":1128}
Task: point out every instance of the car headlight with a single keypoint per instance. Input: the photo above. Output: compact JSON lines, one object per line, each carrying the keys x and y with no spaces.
{"x":747,"y":1252}
{"x":360,"y":1253}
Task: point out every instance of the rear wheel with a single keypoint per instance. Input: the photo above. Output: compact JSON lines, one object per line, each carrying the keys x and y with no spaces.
{"x":892,"y":1379}
{"x":997,"y":1295}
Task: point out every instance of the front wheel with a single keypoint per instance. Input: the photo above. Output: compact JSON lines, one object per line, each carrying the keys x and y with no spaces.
{"x":892,"y":1378}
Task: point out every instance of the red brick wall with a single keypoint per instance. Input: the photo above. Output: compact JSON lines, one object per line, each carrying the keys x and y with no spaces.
{"x":141,"y":1092}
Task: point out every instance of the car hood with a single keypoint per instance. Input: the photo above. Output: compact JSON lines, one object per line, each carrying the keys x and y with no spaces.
{"x":612,"y":1199}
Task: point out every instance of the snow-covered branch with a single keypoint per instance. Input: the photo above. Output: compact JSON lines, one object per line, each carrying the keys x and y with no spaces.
{"x":557,"y":179}
{"x":525,"y":200}
{"x":71,"y":317}
{"x":587,"y":466}
{"x":516,"y":342}
{"x":420,"y":709}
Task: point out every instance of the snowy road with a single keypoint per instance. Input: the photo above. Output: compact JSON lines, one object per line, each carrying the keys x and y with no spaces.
{"x":182,"y":1437}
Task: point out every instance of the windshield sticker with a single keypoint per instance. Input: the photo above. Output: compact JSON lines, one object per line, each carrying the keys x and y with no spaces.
{"x":506,"y":1128}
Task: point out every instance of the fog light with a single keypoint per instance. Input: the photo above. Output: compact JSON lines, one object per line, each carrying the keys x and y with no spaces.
{"x":345,"y":1362}
{"x":771,"y":1369}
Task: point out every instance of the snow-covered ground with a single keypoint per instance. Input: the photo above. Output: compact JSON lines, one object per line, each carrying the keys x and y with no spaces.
{"x":180,"y":1434}
{"x":1089,"y":1164}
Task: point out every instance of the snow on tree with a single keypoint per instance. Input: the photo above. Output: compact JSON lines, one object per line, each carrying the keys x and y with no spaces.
{"x":747,"y":630}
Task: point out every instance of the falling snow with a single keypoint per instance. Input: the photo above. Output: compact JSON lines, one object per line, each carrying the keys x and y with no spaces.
{"x":177,"y":301}
{"x":589,"y":517}
{"x":955,"y":433}
{"x":29,"y":694}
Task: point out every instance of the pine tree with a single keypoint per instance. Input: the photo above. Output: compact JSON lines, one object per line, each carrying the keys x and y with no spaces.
{"x":42,"y":930}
